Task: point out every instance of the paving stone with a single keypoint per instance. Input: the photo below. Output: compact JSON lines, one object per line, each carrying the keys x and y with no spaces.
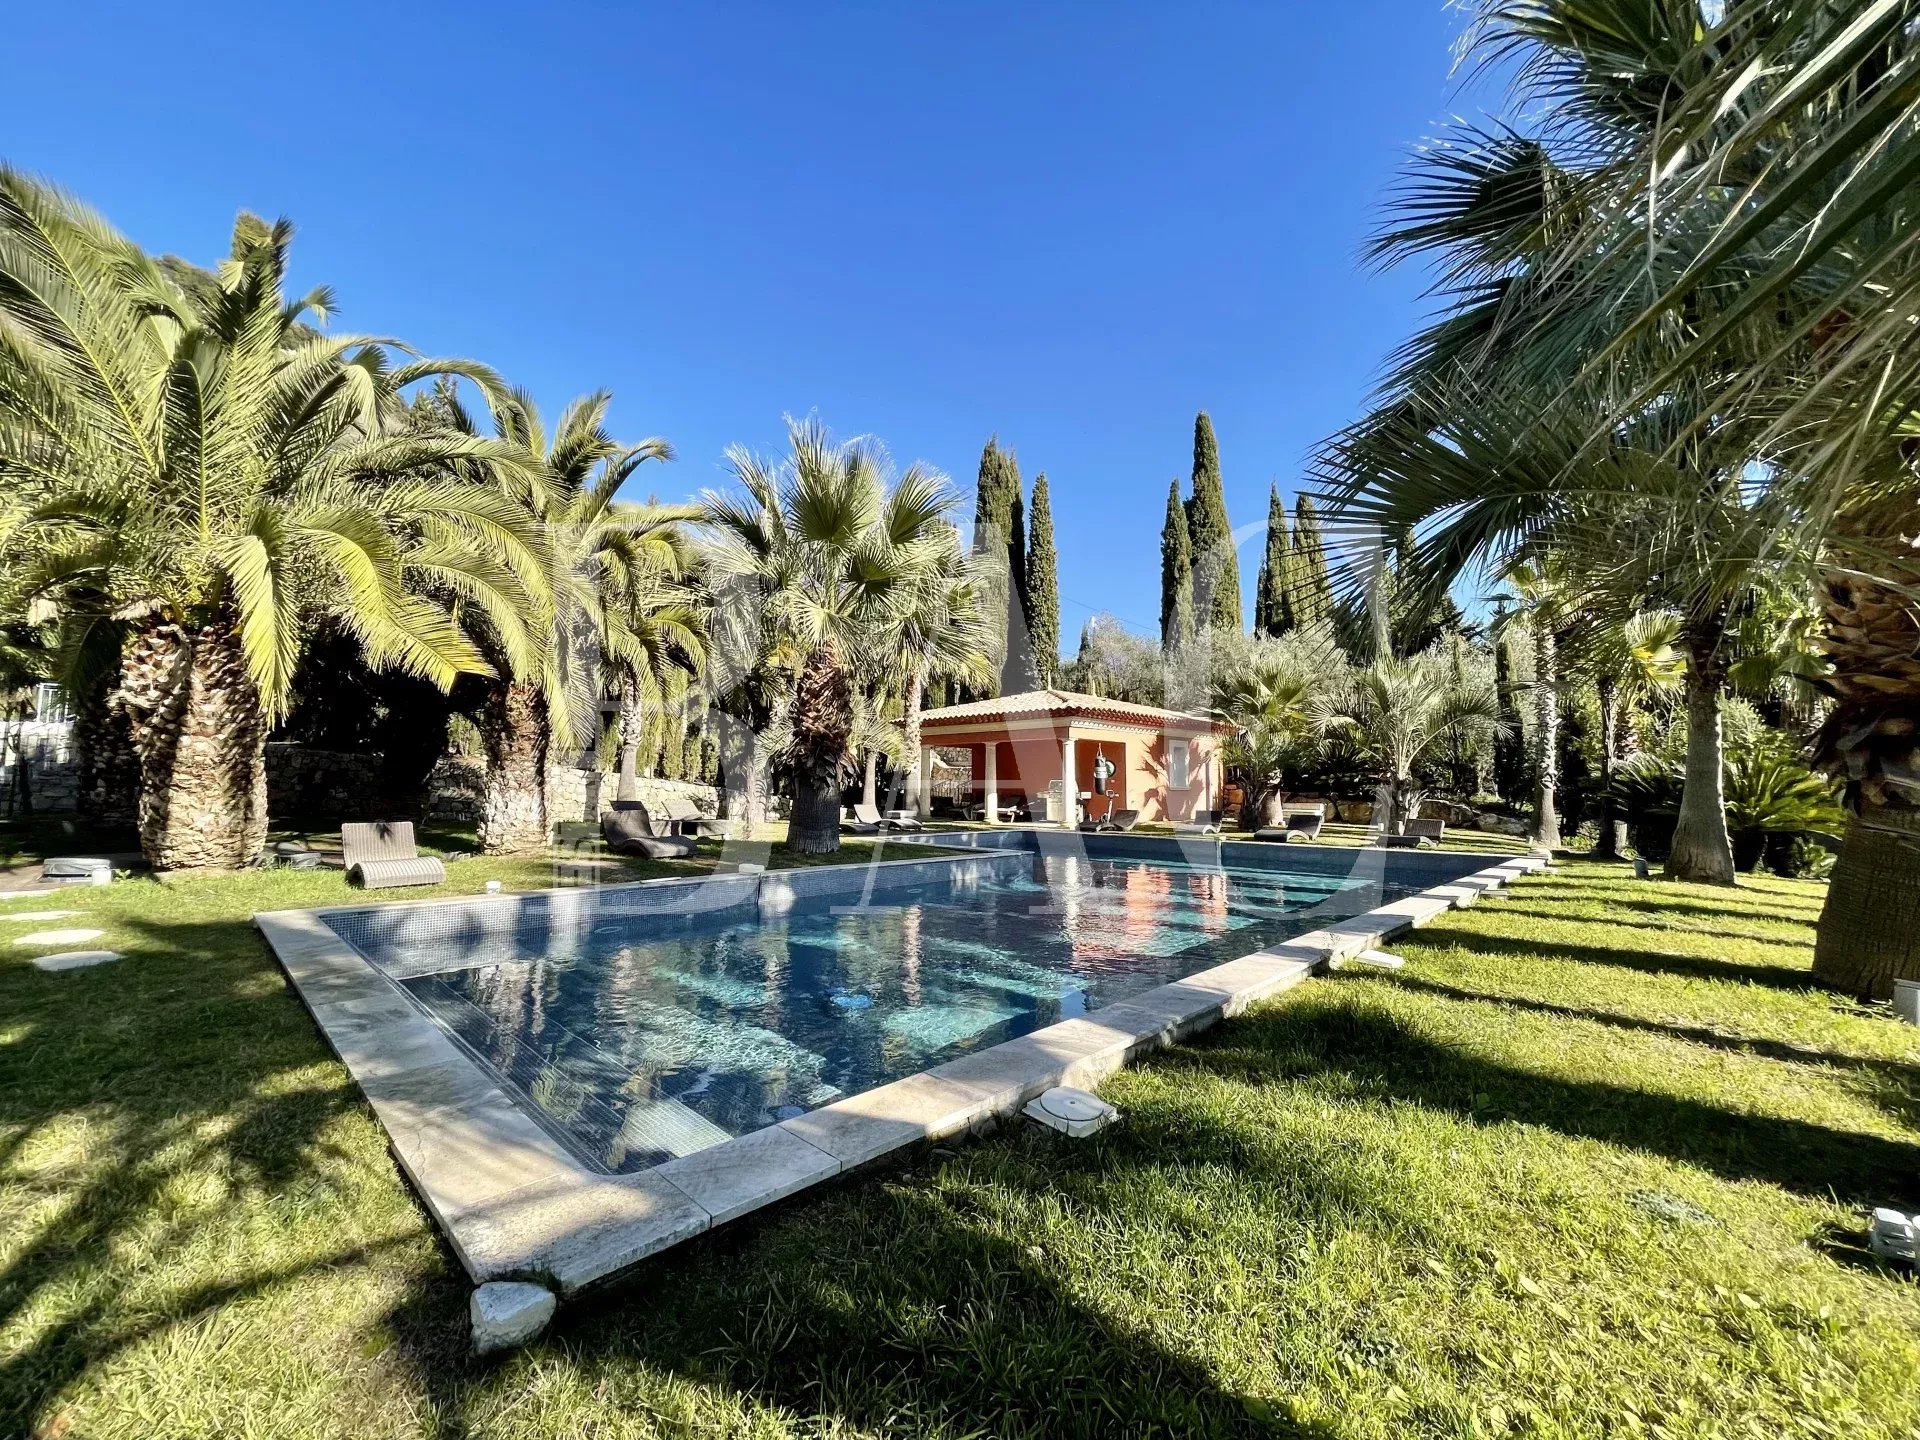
{"x":1254,"y":977}
{"x":508,"y":1313}
{"x":58,"y":937}
{"x":383,"y":1041}
{"x":576,"y":1229}
{"x":749,"y":1171}
{"x":1184,"y":1006}
{"x":866,"y":1126}
{"x":462,"y":1140}
{"x":40,"y":915}
{"x":75,"y":959}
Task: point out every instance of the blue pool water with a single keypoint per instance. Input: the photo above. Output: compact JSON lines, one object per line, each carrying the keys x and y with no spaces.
{"x":640,"y":1036}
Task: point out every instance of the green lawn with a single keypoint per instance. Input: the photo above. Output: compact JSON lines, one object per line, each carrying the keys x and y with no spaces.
{"x":1591,"y":1165}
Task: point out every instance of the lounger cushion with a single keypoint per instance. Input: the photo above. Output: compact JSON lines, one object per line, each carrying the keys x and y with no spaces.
{"x":382,"y":874}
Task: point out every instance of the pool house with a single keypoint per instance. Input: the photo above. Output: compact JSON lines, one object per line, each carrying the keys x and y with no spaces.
{"x":1058,"y":757}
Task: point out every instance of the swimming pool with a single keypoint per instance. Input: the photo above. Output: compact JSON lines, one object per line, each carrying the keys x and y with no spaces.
{"x":637,"y":1031}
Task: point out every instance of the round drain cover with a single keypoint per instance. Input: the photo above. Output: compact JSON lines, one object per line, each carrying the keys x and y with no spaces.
{"x":1066,"y":1103}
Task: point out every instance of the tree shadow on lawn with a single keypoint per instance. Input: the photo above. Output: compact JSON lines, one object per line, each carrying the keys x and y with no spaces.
{"x":1759,"y":904}
{"x":182,"y":1063}
{"x":878,"y":1300}
{"x":1895,"y":1084}
{"x":1668,"y":926}
{"x":1385,"y":1056}
{"x":1697,"y":967}
{"x":906,"y":1304}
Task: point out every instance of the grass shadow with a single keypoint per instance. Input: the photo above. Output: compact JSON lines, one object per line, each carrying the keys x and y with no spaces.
{"x":189,"y":1072}
{"x":1894,"y":1084}
{"x":883,"y":1304}
{"x":1780,"y":977}
{"x":1380,"y":1054}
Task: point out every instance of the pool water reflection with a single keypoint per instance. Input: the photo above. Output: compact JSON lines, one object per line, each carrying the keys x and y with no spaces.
{"x":637,"y":1039}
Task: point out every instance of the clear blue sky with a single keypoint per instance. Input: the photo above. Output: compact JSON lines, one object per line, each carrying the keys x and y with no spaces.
{"x":1073,"y":225}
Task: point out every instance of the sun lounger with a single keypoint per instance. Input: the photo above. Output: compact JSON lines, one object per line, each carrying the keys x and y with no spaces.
{"x":1416,"y":833}
{"x":870,"y":815}
{"x":860,"y":827}
{"x":1113,"y":820}
{"x":381,"y":854}
{"x":1204,"y":822}
{"x":684,"y":818}
{"x":629,"y":829}
{"x":1302,"y":825}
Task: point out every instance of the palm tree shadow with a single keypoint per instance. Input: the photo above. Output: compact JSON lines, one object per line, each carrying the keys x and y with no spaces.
{"x":1894,"y":1084}
{"x":192,"y":1067}
{"x":1667,"y":927}
{"x":839,"y":1303}
{"x":1780,"y":977}
{"x":814,"y":1309}
{"x":1384,"y":1055}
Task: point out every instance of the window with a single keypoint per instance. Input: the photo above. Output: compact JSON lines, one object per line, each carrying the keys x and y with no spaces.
{"x":1177,"y":765}
{"x":49,"y":704}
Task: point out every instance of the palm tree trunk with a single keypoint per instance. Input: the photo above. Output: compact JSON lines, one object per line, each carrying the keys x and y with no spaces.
{"x":1612,"y":844}
{"x":920,"y":804}
{"x":1546,"y":737}
{"x":201,"y":736}
{"x":1869,"y":933}
{"x":870,"y":784}
{"x":822,"y":720}
{"x":513,"y":727}
{"x":109,"y":762}
{"x":1389,"y":805}
{"x":1702,"y":850}
{"x":628,"y":787}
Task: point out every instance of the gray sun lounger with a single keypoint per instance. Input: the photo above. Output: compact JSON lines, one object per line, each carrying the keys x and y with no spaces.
{"x":685,"y":818}
{"x":1304,"y":825}
{"x":381,"y":853}
{"x":1204,"y":822}
{"x":1415,"y":833}
{"x":629,"y":830}
{"x":1113,"y":820}
{"x":870,"y":815}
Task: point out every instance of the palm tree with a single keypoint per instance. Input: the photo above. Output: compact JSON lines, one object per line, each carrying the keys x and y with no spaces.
{"x":820,"y":565}
{"x":941,"y":633}
{"x":208,"y":473}
{"x":1757,"y":204}
{"x":659,"y":654}
{"x":1396,"y":713}
{"x":1541,"y":591}
{"x":1272,"y":706}
{"x":1492,"y":421}
{"x":618,"y":613}
{"x":1631,"y":661}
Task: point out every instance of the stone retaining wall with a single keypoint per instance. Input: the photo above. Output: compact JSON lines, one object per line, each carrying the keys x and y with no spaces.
{"x":53,"y":765}
{"x":323,"y":785}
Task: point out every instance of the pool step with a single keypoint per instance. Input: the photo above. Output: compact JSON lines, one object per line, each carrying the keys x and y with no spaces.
{"x":655,"y":1125}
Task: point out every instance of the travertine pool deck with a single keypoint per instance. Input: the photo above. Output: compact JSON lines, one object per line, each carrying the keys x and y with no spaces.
{"x":516,"y":1204}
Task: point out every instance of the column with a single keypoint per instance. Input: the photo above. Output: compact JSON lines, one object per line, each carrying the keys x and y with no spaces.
{"x":924,"y":800}
{"x":993,"y":783}
{"x":1069,"y":787}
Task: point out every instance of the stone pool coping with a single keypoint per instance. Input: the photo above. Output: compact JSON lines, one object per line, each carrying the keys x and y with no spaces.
{"x":516,"y":1204}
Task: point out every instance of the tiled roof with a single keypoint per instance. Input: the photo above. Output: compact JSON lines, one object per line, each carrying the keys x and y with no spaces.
{"x":1060,"y":702}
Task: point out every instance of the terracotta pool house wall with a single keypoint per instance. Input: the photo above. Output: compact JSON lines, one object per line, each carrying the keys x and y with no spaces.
{"x":1166,"y":763}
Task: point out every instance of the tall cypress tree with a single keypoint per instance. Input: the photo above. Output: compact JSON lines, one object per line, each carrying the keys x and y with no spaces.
{"x":1176,"y":574}
{"x":1043,"y":585}
{"x":999,"y":536}
{"x":1216,"y":570}
{"x":1273,"y":596}
{"x":1312,"y":591}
